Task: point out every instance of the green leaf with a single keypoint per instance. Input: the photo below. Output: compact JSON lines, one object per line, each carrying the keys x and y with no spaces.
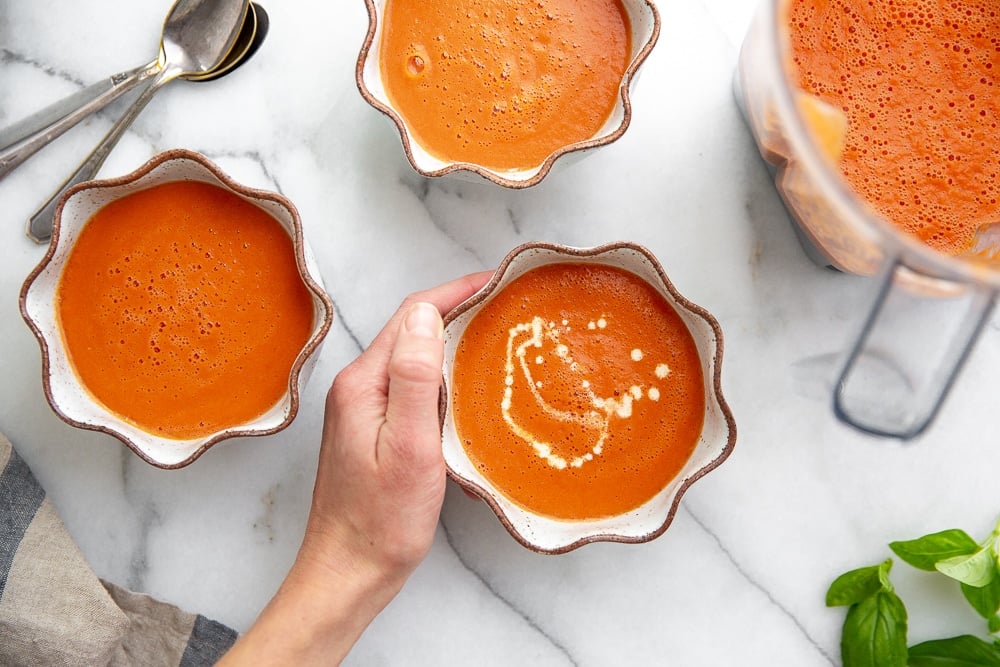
{"x":962,"y":651}
{"x":994,"y":624}
{"x":984,"y":599}
{"x":854,"y":586}
{"x":874,"y":633}
{"x":925,"y":551}
{"x":977,"y":569}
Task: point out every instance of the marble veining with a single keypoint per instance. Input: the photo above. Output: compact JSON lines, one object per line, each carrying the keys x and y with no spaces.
{"x":266,"y":520}
{"x":489,"y":587}
{"x":9,"y":57}
{"x":339,"y":321}
{"x":257,"y":158}
{"x":739,"y":577}
{"x":756,"y":584}
{"x":149,"y":519}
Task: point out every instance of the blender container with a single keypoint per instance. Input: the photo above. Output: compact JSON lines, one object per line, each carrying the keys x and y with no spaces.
{"x":930,"y":307}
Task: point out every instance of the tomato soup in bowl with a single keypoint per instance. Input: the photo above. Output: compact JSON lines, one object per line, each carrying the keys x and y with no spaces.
{"x":176,"y":308}
{"x":503,"y":88}
{"x":584,"y":395}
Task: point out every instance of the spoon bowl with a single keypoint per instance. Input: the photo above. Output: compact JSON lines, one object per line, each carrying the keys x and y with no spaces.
{"x":251,"y":36}
{"x":201,"y":37}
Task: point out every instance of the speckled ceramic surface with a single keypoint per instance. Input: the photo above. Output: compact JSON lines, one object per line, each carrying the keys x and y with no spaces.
{"x":644,"y":21}
{"x":69,"y":398}
{"x":718,"y":435}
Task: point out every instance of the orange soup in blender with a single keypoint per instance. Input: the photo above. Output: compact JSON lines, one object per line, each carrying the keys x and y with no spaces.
{"x":916,"y":82}
{"x":503,"y":83}
{"x":182,"y":309}
{"x":577,"y":391}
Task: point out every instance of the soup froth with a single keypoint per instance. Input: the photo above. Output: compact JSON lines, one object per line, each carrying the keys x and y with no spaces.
{"x":182,"y":309}
{"x":503,"y":83}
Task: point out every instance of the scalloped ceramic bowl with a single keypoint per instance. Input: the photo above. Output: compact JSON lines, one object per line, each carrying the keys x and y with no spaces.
{"x":644,"y":21}
{"x":64,"y":391}
{"x":718,"y":436}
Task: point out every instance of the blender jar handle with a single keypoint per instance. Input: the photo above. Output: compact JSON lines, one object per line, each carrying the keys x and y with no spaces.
{"x":909,"y":352}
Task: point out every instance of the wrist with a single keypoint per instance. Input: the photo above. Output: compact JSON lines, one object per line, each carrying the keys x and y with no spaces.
{"x":321,"y":609}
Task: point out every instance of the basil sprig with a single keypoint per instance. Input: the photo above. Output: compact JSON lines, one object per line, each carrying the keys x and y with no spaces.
{"x":874,"y":631}
{"x":925,"y":552}
{"x":875,"y":628}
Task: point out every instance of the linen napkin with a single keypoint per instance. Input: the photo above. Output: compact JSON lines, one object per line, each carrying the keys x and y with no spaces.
{"x":55,"y":611}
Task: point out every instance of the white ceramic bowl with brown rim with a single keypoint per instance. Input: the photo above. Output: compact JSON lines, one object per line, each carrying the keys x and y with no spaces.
{"x":714,"y":444}
{"x":644,"y":25}
{"x":66,"y":393}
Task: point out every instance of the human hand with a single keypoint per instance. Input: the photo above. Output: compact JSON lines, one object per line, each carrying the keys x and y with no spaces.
{"x":381,"y":475}
{"x":378,"y":493}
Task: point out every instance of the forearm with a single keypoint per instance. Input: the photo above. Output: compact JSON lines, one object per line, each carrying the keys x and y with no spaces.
{"x":379,"y":487}
{"x":317,"y":615}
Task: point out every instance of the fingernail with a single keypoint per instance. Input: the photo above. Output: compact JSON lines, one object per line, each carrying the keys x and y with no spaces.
{"x":424,"y":320}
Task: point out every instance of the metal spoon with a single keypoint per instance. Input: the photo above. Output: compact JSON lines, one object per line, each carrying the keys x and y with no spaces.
{"x":251,"y":36}
{"x":199,"y":51}
{"x":26,"y":137}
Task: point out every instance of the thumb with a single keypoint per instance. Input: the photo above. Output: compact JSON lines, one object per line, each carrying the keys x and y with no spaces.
{"x":412,"y":429}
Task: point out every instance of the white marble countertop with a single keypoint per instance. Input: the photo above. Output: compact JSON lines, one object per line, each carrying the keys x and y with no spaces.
{"x":740,"y":576}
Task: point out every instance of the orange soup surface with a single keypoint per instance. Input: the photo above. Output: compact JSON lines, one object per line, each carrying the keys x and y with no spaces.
{"x":183,"y":310}
{"x":577,"y":391}
{"x":503,"y":83}
{"x":917,"y":82}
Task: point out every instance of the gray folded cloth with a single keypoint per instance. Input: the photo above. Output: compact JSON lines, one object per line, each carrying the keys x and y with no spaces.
{"x":55,"y":611}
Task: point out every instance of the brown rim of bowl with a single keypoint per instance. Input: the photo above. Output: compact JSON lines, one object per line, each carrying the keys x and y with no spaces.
{"x":297,"y":243}
{"x":488,"y":174}
{"x":570,"y":253}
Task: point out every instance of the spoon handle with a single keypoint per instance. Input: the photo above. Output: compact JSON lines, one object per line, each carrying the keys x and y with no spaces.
{"x":40,"y":224}
{"x":29,"y":135}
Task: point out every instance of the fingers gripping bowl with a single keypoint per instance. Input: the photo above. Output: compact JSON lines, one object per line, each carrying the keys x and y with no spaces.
{"x":176,"y":308}
{"x":584,"y":395}
{"x":504,"y":89}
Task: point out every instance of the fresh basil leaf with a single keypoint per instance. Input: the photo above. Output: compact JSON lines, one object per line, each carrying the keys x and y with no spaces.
{"x":994,"y":624}
{"x":984,"y":599}
{"x":962,"y":651}
{"x":977,"y":569}
{"x":925,"y":551}
{"x":874,"y":633}
{"x":854,"y":586}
